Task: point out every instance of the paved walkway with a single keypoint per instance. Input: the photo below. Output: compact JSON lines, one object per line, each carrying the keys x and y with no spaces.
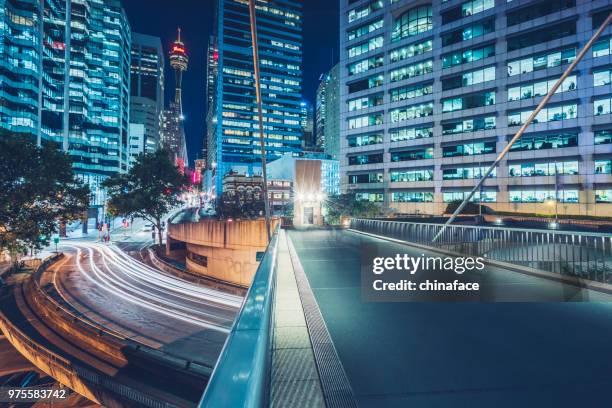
{"x":530,"y":353}
{"x":295,"y":379}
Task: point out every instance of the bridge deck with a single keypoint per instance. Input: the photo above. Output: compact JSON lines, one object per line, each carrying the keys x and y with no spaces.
{"x":472,"y":354}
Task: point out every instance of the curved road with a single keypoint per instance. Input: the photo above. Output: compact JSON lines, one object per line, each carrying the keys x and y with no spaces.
{"x":129,"y":297}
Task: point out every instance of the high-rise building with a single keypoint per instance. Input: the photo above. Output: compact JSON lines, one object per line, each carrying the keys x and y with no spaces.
{"x":431,"y":92}
{"x":85,"y":44}
{"x":173,"y":135}
{"x":235,"y":143}
{"x":327,"y":129}
{"x":147,"y":87}
{"x":306,"y":124}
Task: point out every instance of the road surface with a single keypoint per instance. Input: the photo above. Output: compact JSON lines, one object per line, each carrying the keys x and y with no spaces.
{"x":129,"y":297}
{"x":460,"y":354}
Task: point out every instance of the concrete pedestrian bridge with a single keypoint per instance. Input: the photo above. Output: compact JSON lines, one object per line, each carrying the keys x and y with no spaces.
{"x":120,"y":331}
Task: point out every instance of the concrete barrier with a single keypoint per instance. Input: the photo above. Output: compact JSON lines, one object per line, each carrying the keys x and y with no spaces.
{"x":227,"y":250}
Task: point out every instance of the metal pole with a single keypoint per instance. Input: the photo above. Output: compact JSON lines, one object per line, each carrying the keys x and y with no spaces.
{"x":520,"y":132}
{"x":260,"y":115}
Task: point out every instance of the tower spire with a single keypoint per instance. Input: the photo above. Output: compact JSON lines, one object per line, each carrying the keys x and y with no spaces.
{"x":179,"y":34}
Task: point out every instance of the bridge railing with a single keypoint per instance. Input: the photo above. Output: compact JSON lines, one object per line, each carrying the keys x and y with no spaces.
{"x":241,"y":377}
{"x":579,"y":254}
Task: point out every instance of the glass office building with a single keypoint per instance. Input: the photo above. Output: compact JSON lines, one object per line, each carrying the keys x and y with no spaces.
{"x":233,"y":136}
{"x":85,"y":44}
{"x":147,"y":88}
{"x":328,"y":113}
{"x":431,"y":92}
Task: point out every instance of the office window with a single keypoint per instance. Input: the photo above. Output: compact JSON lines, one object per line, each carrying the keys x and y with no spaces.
{"x":409,"y":92}
{"x":469,"y":149}
{"x":543,"y":169}
{"x":543,"y":195}
{"x":468,"y":125}
{"x":371,"y":197}
{"x":411,"y":112}
{"x":603,"y":137}
{"x":411,"y":175}
{"x":542,"y":35}
{"x":412,"y":197}
{"x":543,"y":142}
{"x":468,"y":8}
{"x":469,"y":78}
{"x":415,"y":21}
{"x":537,"y":10}
{"x":603,"y":196}
{"x":411,"y":71}
{"x":603,"y":166}
{"x":365,"y":29}
{"x":602,"y":77}
{"x":365,"y":65}
{"x":467,"y":173}
{"x":364,"y":11}
{"x":540,"y":88}
{"x":468,"y":32}
{"x":365,"y":159}
{"x":602,"y":47}
{"x":453,"y":196}
{"x":366,"y":178}
{"x":601,"y":106}
{"x":469,"y":101}
{"x":366,"y":83}
{"x":370,"y":45}
{"x":410,"y":155}
{"x":561,"y":112}
{"x":365,"y":140}
{"x":409,"y":133}
{"x":541,"y":61}
{"x":468,"y":55}
{"x":410,"y":51}
{"x":365,"y":121}
{"x":365,"y":102}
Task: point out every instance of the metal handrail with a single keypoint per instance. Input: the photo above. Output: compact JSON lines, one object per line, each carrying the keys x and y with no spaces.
{"x":478,"y":227}
{"x":581,"y":255}
{"x":241,"y":377}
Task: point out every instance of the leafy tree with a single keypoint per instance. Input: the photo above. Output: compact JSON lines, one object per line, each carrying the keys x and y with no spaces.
{"x":39,"y":190}
{"x":149,"y":190}
{"x":347,"y":205}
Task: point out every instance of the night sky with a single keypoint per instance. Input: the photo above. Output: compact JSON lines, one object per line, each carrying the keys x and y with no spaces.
{"x":195,"y":17}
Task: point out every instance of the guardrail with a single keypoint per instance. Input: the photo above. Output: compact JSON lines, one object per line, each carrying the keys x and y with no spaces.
{"x":241,"y":377}
{"x":578,"y":254}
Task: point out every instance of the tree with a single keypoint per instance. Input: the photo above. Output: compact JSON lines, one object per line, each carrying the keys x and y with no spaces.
{"x":149,"y":190}
{"x":39,"y":190}
{"x":347,"y":205}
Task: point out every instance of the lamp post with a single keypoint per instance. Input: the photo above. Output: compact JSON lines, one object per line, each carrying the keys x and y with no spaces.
{"x":260,"y":114}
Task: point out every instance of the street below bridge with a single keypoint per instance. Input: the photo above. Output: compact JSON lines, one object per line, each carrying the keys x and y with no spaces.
{"x":533,"y":342}
{"x":126,"y":296}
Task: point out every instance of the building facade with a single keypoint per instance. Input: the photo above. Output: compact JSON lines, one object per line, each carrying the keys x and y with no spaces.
{"x":233,"y":142}
{"x":147,"y":87}
{"x":312,"y":177}
{"x":307,"y":124}
{"x":328,"y":113}
{"x":64,"y":70}
{"x":431,"y":92}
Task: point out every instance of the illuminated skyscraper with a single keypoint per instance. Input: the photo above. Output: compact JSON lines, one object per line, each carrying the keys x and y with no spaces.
{"x":235,"y":143}
{"x":147,"y":88}
{"x":431,"y":93}
{"x":45,"y":45}
{"x":174,"y":130}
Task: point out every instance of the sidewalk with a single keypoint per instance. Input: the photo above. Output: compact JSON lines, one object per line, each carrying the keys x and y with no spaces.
{"x":295,"y":378}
